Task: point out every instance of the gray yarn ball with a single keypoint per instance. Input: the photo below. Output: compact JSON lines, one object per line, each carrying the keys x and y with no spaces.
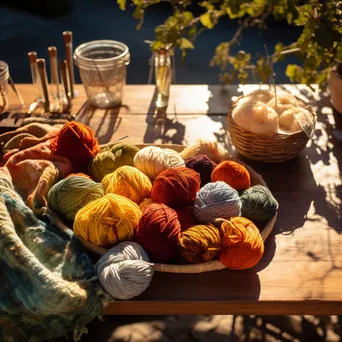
{"x":125,"y":271}
{"x":216,"y":200}
{"x":258,"y":204}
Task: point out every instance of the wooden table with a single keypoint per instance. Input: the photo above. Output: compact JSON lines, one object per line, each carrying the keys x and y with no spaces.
{"x":301,"y":271}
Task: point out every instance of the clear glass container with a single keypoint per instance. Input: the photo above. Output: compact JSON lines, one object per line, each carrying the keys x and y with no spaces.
{"x":4,"y":74}
{"x":163,"y":75}
{"x":103,"y":65}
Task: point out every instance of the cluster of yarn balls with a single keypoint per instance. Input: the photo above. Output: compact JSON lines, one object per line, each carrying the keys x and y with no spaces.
{"x":155,"y":205}
{"x":263,"y":113}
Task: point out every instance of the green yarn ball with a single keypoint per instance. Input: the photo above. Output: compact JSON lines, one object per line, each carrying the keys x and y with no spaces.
{"x":69,"y":195}
{"x":258,"y":204}
{"x":110,"y":158}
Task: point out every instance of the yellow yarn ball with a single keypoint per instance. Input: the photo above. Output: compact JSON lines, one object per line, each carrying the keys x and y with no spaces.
{"x":211,"y":149}
{"x":153,"y":160}
{"x":200,"y":243}
{"x":107,"y":220}
{"x":128,"y":181}
{"x":110,"y":158}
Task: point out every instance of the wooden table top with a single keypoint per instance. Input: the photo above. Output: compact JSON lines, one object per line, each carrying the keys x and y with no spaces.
{"x":301,"y":270}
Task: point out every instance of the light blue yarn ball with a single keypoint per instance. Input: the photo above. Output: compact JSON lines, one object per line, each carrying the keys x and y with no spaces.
{"x":125,"y":271}
{"x":216,"y":200}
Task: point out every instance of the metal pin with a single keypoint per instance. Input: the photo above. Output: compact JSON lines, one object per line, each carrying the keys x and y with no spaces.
{"x":54,"y":80}
{"x":34,"y":73}
{"x":67,"y":35}
{"x":63,"y":70}
{"x":43,"y":79}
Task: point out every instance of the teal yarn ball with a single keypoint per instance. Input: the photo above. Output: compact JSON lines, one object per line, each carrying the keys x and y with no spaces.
{"x":216,"y":200}
{"x":71,"y":194}
{"x":258,"y":204}
{"x":111,"y":157}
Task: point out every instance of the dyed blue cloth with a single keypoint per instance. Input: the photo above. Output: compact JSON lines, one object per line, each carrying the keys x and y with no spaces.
{"x":48,"y":286}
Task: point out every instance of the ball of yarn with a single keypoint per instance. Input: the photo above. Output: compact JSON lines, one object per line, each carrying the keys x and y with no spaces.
{"x":200,"y":243}
{"x":158,"y":233}
{"x":216,"y":200}
{"x":186,"y":217}
{"x":129,"y":182}
{"x":145,"y":203}
{"x":107,"y":220}
{"x":242,"y":245}
{"x":258,"y":204}
{"x":176,"y":187}
{"x":153,"y":160}
{"x":284,"y":101}
{"x":211,"y":149}
{"x":71,"y":194}
{"x":80,"y":174}
{"x":125,"y":271}
{"x":203,"y":165}
{"x":260,"y":95}
{"x":110,"y":158}
{"x":77,"y":143}
{"x":175,"y":159}
{"x":255,"y":117}
{"x":232,"y":173}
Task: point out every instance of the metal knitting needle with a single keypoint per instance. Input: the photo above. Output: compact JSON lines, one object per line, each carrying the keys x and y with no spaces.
{"x":63,"y":70}
{"x":52,"y":50}
{"x":43,"y":79}
{"x":67,"y":35}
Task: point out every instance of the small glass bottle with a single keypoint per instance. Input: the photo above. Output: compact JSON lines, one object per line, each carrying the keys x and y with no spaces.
{"x":163,"y":75}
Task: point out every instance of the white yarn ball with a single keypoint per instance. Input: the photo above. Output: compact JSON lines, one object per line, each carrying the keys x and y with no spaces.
{"x":284,"y":101}
{"x":125,"y":271}
{"x":211,"y":149}
{"x":175,"y":159}
{"x":153,"y":160}
{"x":286,"y":118}
{"x":256,"y":117}
{"x":296,"y":119}
{"x":260,"y":95}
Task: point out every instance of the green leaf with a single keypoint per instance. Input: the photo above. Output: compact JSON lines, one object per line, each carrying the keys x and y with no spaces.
{"x":289,"y":18}
{"x":188,"y":16}
{"x":138,"y":13}
{"x":122,"y":4}
{"x":233,"y":15}
{"x":186,"y":44}
{"x":206,"y":20}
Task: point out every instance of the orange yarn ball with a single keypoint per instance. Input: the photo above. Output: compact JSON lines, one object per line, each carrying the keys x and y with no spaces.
{"x":232,"y":173}
{"x":242,"y":245}
{"x":77,"y":143}
{"x":80,"y":174}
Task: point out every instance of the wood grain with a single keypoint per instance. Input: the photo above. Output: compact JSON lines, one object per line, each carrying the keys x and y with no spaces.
{"x":301,"y":270}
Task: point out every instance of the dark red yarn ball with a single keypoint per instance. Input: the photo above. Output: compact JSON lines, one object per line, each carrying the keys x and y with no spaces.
{"x":203,"y":165}
{"x":158,"y":233}
{"x":186,"y":217}
{"x":176,"y":187}
{"x":76,"y":142}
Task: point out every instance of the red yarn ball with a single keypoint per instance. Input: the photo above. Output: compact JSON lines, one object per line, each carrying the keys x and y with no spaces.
{"x":76,"y":142}
{"x":158,"y":233}
{"x":203,"y":165}
{"x":176,"y":187}
{"x":186,"y":218}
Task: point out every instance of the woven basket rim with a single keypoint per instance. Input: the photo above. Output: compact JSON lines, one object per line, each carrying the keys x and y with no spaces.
{"x":209,"y":266}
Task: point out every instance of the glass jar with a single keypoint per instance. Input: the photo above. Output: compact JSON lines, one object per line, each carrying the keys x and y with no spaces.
{"x":163,"y":74}
{"x":4,"y":74}
{"x":103,"y":65}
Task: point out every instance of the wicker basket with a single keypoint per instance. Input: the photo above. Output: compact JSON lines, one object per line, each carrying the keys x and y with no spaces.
{"x":268,"y":149}
{"x":214,"y":265}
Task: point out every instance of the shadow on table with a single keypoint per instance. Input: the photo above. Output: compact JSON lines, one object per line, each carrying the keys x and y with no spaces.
{"x":105,"y":126}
